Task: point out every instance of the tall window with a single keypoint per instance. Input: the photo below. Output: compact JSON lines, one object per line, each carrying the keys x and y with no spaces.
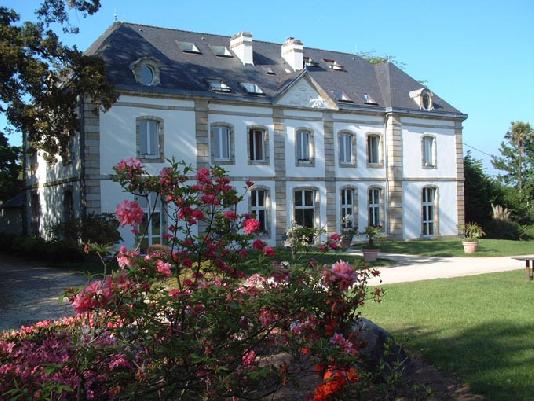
{"x":305,"y":207}
{"x":345,"y":148}
{"x":256,"y":144}
{"x":259,"y":208}
{"x":304,"y":146}
{"x":68,"y":205}
{"x":374,"y":206}
{"x":429,"y":210}
{"x":347,"y":209}
{"x":221,"y":143}
{"x":373,"y":149}
{"x":429,"y":151}
{"x":151,"y":228}
{"x":36,"y":213}
{"x":149,"y":138}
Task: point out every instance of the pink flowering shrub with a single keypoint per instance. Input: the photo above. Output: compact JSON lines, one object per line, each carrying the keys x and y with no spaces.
{"x":183,"y":321}
{"x":129,"y":213}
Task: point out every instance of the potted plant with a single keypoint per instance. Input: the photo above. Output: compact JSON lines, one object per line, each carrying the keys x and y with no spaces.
{"x":370,"y":253}
{"x":472,"y":233}
{"x":346,"y":238}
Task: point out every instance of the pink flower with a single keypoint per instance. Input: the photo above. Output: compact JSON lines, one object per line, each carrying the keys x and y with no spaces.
{"x":129,"y":212}
{"x":119,"y":361}
{"x":250,"y":226}
{"x":343,"y":343}
{"x":249,"y":183}
{"x":335,"y":237}
{"x":343,"y":274}
{"x":203,"y":175}
{"x":266,"y":317}
{"x":230,"y":215}
{"x":258,"y":244}
{"x":197,"y":214}
{"x":268,"y":251}
{"x":131,"y":165}
{"x":249,"y":358}
{"x":163,"y":268}
{"x":210,"y":199}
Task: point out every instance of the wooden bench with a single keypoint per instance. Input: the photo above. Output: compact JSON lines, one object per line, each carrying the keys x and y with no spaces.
{"x":529,"y":265}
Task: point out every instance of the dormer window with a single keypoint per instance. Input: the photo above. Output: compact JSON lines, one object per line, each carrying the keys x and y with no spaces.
{"x":369,"y":100}
{"x":423,"y":98}
{"x":146,"y":71}
{"x":218,"y":85}
{"x":270,"y":71}
{"x":336,"y":66}
{"x":251,"y":88}
{"x":221,"y":51}
{"x":342,"y":97}
{"x":309,"y":62}
{"x":187,"y":47}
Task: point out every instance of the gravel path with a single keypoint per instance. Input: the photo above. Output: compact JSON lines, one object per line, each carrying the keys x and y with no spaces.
{"x":407,"y":268}
{"x":30,"y":293}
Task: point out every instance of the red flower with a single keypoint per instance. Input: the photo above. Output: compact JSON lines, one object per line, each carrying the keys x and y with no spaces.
{"x":129,"y":212}
{"x":250,"y":183}
{"x":258,"y":244}
{"x":230,"y":215}
{"x":268,"y":251}
{"x":250,"y":226}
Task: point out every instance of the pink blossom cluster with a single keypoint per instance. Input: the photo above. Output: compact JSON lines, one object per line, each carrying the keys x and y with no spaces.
{"x":129,"y":166}
{"x":129,"y":213}
{"x":340,"y":341}
{"x":341,"y":274}
{"x":100,"y":293}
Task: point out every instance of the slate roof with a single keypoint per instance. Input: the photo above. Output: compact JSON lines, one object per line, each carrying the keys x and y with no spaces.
{"x":184,"y":73}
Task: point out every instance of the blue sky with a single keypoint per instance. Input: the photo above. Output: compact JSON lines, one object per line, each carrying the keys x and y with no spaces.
{"x":477,"y":55}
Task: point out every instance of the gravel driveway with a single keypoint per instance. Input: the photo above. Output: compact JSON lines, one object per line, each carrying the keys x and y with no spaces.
{"x":30,"y":293}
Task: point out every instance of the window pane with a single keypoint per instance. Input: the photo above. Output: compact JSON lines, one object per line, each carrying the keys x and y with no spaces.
{"x":305,"y":155}
{"x":156,"y":224}
{"x":348,"y":148}
{"x":298,"y":198}
{"x":261,"y":218}
{"x":225,"y":143}
{"x":260,"y":198}
{"x":258,"y":155}
{"x":251,"y":145}
{"x":153,"y":137}
{"x":215,"y":146}
{"x":308,"y":198}
{"x":143,"y":133}
{"x":307,"y":218}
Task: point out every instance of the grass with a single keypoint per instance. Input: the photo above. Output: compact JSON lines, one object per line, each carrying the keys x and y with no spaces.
{"x":479,"y":328}
{"x":487,"y":247}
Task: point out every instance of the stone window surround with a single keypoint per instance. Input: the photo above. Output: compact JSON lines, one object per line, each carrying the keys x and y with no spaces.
{"x":305,"y":163}
{"x":354,"y":190}
{"x":436,"y":212}
{"x":268,"y":208}
{"x":152,"y":63}
{"x":380,"y":164}
{"x":214,"y":160}
{"x":434,"y":151}
{"x":266,"y":148}
{"x":161,"y":138}
{"x":316,"y":204}
{"x":381,"y":204}
{"x":354,"y":149}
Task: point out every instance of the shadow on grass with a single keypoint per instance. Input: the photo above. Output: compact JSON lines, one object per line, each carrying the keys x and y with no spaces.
{"x":496,"y":358}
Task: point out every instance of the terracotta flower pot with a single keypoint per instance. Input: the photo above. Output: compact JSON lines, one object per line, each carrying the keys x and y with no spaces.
{"x":370,"y":255}
{"x":470,"y":246}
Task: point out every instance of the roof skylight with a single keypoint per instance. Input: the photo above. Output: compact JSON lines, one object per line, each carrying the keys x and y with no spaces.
{"x":309,"y":62}
{"x":218,"y":85}
{"x":251,"y":88}
{"x":270,"y":71}
{"x":221,"y":51}
{"x":344,"y":98}
{"x":369,"y":100}
{"x":336,"y":67}
{"x":187,"y":47}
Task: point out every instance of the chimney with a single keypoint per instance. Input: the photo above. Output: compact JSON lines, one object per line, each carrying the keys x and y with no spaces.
{"x":241,"y":45}
{"x":292,"y":53}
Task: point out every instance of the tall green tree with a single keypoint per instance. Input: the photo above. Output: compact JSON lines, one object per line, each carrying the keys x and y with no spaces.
{"x":481,"y":191}
{"x":42,"y":78}
{"x":10,"y":169}
{"x":516,"y":163}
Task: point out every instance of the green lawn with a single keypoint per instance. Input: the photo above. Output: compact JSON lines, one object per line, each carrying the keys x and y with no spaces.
{"x":480,"y":328}
{"x":487,"y":247}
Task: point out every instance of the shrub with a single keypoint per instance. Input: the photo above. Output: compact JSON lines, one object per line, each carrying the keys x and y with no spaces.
{"x":182,"y":322}
{"x":504,"y":229}
{"x":101,"y":229}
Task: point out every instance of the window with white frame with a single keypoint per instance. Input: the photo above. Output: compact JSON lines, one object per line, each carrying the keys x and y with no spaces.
{"x":259,"y":208}
{"x":256,"y":144}
{"x":429,"y":211}
{"x":305,"y":207}
{"x":347,"y":209}
{"x":373,"y":149}
{"x":304,"y":146}
{"x":221,"y":143}
{"x":149,"y":146}
{"x":345,"y":140}
{"x":374,"y":206}
{"x":429,"y":151}
{"x":152,"y":226}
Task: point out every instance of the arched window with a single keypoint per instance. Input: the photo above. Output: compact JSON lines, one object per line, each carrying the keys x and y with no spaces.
{"x":374,"y":150}
{"x":375,"y":206}
{"x":428,"y":149}
{"x":260,"y":207}
{"x":153,"y":225}
{"x":429,"y":212}
{"x":347,"y":149}
{"x":149,"y":138}
{"x":306,"y":207}
{"x":349,"y":216}
{"x":222,"y":143}
{"x":304,"y":147}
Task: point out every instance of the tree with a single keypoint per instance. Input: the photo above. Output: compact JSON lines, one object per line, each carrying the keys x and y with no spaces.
{"x":516,"y":161}
{"x":10,"y":169}
{"x":43,"y":80}
{"x":480,"y":192}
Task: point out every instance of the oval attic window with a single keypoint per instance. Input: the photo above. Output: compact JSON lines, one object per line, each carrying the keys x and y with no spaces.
{"x":146,"y":75}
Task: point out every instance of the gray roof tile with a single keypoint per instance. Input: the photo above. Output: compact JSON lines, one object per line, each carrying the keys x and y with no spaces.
{"x":186,"y":73}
